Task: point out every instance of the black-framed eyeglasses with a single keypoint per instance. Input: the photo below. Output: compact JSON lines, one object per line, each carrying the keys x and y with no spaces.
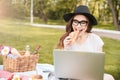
{"x":82,"y":23}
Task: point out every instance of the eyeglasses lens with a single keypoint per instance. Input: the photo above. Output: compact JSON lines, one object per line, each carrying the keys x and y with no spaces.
{"x":82,"y":23}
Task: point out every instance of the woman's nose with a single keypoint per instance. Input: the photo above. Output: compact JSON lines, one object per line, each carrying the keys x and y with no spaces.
{"x":78,"y":26}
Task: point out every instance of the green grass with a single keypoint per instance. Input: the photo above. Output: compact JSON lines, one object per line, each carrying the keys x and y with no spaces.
{"x":51,"y":22}
{"x":112,"y":61}
{"x":18,"y":36}
{"x":105,"y":26}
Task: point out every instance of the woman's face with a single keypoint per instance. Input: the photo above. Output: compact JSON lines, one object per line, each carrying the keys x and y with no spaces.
{"x":80,"y":23}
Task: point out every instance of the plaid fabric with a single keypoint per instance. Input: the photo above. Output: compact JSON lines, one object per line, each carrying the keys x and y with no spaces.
{"x":20,"y":64}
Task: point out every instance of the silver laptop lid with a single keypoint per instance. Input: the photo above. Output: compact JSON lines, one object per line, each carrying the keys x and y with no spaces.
{"x":79,"y":65}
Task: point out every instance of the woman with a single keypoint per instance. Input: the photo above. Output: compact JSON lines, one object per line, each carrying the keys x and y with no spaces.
{"x":78,"y":36}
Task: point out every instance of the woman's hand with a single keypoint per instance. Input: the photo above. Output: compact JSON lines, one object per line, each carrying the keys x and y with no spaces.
{"x":73,"y":36}
{"x":69,"y":40}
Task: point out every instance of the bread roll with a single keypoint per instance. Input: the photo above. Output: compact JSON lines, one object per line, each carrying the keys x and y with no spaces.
{"x":37,"y":77}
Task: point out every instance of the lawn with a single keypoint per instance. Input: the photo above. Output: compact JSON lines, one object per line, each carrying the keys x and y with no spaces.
{"x":18,"y":35}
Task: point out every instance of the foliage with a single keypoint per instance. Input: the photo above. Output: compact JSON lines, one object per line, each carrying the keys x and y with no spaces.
{"x":55,"y":9}
{"x":40,"y":7}
{"x":114,"y":13}
{"x":59,"y":8}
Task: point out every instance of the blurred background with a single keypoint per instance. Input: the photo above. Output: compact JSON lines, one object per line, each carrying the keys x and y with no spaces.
{"x":16,"y":17}
{"x":51,"y":11}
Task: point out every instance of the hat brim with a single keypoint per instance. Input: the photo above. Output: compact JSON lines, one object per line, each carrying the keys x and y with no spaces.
{"x":91,"y":18}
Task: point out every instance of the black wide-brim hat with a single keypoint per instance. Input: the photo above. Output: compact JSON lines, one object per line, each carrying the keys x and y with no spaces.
{"x":82,"y":9}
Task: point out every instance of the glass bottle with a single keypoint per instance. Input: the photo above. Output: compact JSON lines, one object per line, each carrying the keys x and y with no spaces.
{"x":27,"y":48}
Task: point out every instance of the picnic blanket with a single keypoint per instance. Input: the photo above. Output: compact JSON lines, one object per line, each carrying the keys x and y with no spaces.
{"x":46,"y":70}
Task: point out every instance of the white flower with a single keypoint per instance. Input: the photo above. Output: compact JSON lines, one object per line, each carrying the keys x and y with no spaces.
{"x":15,"y":52}
{"x":16,"y":77}
{"x":5,"y":50}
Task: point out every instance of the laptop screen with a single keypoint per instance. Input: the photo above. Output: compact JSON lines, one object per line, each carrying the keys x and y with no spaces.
{"x":78,"y":65}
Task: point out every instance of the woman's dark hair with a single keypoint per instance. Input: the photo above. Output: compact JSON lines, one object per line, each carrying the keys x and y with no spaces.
{"x":89,"y":27}
{"x":69,"y":26}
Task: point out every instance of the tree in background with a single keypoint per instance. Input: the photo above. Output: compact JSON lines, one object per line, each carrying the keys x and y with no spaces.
{"x":55,"y":9}
{"x":102,"y":10}
{"x":114,"y":13}
{"x":59,"y":8}
{"x":40,"y":7}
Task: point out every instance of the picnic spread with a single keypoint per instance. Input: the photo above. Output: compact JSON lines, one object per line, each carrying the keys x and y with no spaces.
{"x":23,"y":65}
{"x":45,"y":70}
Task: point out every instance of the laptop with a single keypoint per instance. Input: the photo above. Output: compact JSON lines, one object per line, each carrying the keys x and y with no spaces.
{"x":76,"y":65}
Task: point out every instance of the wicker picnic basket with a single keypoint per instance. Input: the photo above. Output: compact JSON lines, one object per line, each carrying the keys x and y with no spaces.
{"x":20,"y":64}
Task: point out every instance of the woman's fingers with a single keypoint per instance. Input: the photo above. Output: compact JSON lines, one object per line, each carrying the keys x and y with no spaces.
{"x":68,"y":41}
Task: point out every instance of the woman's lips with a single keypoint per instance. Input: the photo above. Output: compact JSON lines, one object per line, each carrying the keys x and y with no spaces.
{"x":79,"y":30}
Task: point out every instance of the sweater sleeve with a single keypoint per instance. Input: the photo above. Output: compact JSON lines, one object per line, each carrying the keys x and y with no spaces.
{"x":97,"y":42}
